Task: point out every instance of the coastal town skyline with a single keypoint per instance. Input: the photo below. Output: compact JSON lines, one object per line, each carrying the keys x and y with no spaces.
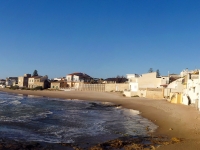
{"x":100,"y":38}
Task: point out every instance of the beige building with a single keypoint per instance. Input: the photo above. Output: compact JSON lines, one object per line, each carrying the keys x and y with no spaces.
{"x":176,"y":86}
{"x":62,"y":84}
{"x":38,"y":81}
{"x":148,"y":80}
{"x":55,"y":85}
{"x":146,"y":85}
{"x":23,"y":80}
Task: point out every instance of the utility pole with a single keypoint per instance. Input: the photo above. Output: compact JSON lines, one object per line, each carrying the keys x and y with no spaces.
{"x":168,"y":77}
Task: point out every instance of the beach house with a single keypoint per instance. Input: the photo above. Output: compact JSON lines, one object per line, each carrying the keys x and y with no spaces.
{"x":2,"y":83}
{"x":11,"y":81}
{"x":23,"y":80}
{"x":77,"y":78}
{"x":146,"y":85}
{"x":198,"y":102}
{"x":173,"y":91}
{"x":191,"y":89}
{"x":38,"y":81}
{"x":59,"y":84}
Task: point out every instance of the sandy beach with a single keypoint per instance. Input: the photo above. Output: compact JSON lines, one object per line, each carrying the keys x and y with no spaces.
{"x":174,"y":120}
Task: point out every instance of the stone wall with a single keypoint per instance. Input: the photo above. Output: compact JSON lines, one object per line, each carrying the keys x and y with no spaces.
{"x":154,"y":93}
{"x":103,"y":87}
{"x":142,"y":92}
{"x":55,"y":85}
{"x":176,"y":98}
{"x":116,"y":87}
{"x":36,"y":84}
{"x":92,"y":87}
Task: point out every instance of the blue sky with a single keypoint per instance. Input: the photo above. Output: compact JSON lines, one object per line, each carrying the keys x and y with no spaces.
{"x":103,"y":38}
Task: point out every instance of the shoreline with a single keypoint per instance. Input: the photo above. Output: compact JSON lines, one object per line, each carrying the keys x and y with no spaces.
{"x":173,"y":120}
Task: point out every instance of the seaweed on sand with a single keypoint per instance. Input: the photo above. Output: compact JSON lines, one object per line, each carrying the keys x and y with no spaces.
{"x":136,"y":143}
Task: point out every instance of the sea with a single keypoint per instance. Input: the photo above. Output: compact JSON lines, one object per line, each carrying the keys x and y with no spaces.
{"x":53,"y":120}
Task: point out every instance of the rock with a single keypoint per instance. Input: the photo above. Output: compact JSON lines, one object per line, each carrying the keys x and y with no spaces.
{"x":170,"y":128}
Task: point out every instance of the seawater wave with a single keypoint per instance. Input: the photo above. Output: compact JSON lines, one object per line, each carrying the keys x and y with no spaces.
{"x":56,"y":120}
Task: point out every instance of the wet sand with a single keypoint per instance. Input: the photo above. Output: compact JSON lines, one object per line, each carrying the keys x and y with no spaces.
{"x":174,"y":120}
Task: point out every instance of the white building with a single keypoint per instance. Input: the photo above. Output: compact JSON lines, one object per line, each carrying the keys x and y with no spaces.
{"x":133,"y":82}
{"x":74,"y":79}
{"x":192,"y":89}
{"x":11,"y":81}
{"x":2,"y":86}
{"x":199,"y":94}
{"x":59,"y":79}
{"x":139,"y":85}
{"x":185,"y":72}
{"x":176,"y":86}
{"x":147,"y":80}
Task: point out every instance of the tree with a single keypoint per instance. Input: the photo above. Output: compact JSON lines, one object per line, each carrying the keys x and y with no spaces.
{"x":92,"y":81}
{"x":150,"y":70}
{"x":100,"y":81}
{"x":35,"y":73}
{"x":157,"y":73}
{"x":120,"y":79}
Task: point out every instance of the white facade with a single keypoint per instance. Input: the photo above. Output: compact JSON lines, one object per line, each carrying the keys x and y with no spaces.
{"x":193,"y":89}
{"x":76,"y":78}
{"x":2,"y":86}
{"x":73,"y":78}
{"x":139,"y":85}
{"x":186,"y":72}
{"x":133,"y":82}
{"x":174,"y":87}
{"x":191,"y":92}
{"x":133,"y":86}
{"x":199,"y":94}
{"x":148,"y":80}
{"x":131,"y":77}
{"x":177,"y":85}
{"x":59,"y":79}
{"x":69,"y":77}
{"x":164,"y":80}
{"x":10,"y":82}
